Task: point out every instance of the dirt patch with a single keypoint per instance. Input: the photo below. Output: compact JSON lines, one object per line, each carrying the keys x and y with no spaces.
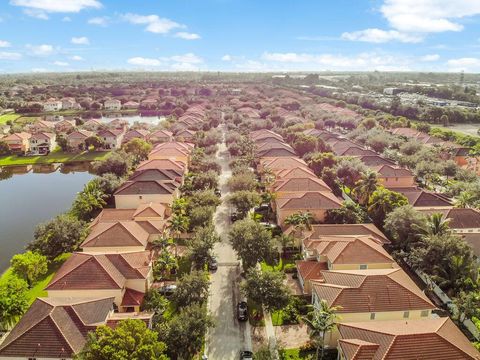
{"x":292,"y":336}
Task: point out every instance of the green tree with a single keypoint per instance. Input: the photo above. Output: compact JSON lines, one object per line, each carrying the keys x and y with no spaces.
{"x":95,"y":142}
{"x":62,"y":234}
{"x":252,"y":242}
{"x":138,"y":149}
{"x":203,"y":198}
{"x":243,"y":181}
{"x":185,"y":332}
{"x":349,"y":171}
{"x":130,"y":339}
{"x":155,"y":302}
{"x":191,"y":288}
{"x":448,"y":259}
{"x":117,"y":162}
{"x":89,"y":200}
{"x":4,"y":148}
{"x":382,"y":202}
{"x":30,"y":266}
{"x":13,"y":301}
{"x":201,"y":216}
{"x":402,"y":225}
{"x":319,"y":161}
{"x":201,"y":245}
{"x":365,"y":187}
{"x":348,"y":213}
{"x":244,"y":201}
{"x":204,"y":181}
{"x":164,"y":264}
{"x":435,"y":224}
{"x":304,"y":144}
{"x":300,"y":221}
{"x":320,"y":321}
{"x":178,"y":224}
{"x":266,"y":288}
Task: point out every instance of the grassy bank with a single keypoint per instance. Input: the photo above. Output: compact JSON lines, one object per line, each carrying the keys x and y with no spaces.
{"x":38,"y":289}
{"x":54,"y":157}
{"x":7,"y":117}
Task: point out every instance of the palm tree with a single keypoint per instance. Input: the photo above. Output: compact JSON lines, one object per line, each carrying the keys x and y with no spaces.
{"x":301,"y":221}
{"x":436,"y":224}
{"x":320,"y":321}
{"x":162,"y":241}
{"x":178,"y":224}
{"x":365,"y":187}
{"x":464,"y":200}
{"x":282,"y":242}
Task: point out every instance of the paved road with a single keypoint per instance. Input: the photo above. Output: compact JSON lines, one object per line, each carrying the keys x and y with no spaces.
{"x":228,"y":337}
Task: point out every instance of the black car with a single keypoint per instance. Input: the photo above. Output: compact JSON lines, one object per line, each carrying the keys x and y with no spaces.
{"x":213,"y":264}
{"x":242,"y":311}
{"x":234,"y":217}
{"x":246,"y":355}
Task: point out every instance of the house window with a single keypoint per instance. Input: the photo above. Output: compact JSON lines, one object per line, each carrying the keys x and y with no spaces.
{"x":406,"y":314}
{"x":32,"y":358}
{"x":140,"y":197}
{"x":372,"y":316}
{"x":363,"y":266}
{"x":424,"y":313}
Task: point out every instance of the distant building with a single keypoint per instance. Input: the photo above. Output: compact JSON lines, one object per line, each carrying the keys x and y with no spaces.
{"x":52,"y":105}
{"x":112,"y":104}
{"x":392,"y":91}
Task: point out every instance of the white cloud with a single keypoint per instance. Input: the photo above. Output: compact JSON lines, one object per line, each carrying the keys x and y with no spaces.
{"x":227,"y":57}
{"x":427,"y":16}
{"x":66,"y":19}
{"x":40,"y":50}
{"x":188,"y":58}
{"x":100,"y":21}
{"x":35,"y":13}
{"x":467,"y":64}
{"x":60,"y":63}
{"x":363,"y":61}
{"x":141,"y":61}
{"x":58,"y":6}
{"x":430,"y":57}
{"x":187,"y":35}
{"x":4,"y":44}
{"x":76,"y":58}
{"x":80,"y":40}
{"x":4,"y":55}
{"x":380,"y":36}
{"x":154,"y":23}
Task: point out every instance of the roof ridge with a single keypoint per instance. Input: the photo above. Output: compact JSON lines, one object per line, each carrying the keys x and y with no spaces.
{"x":96,"y":257}
{"x":60,"y":330}
{"x":86,"y":258}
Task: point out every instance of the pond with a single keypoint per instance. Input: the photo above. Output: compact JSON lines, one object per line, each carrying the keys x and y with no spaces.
{"x":131,"y":119}
{"x":33,"y":194}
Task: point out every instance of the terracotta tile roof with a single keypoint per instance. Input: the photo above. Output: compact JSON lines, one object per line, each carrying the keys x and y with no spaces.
{"x":350,"y":250}
{"x":426,"y":339}
{"x":298,"y":172}
{"x":312,"y":200}
{"x":291,"y":162}
{"x":110,"y":133}
{"x":55,"y":327}
{"x":42,"y":136}
{"x":161,"y":133}
{"x":168,"y":152}
{"x":83,"y":271}
{"x":109,"y":215}
{"x":364,"y":291}
{"x":264,"y":133}
{"x":375,"y":160}
{"x":311,"y":183}
{"x":147,"y":187}
{"x":80,"y":134}
{"x":309,"y":270}
{"x":421,"y":198}
{"x":132,"y":297}
{"x":116,"y":234}
{"x":355,"y":230}
{"x":17,"y":136}
{"x":136,"y":133}
{"x":392,"y":171}
{"x":150,"y":210}
{"x":459,"y":218}
{"x":268,"y":140}
{"x":157,"y":174}
{"x":162,"y":164}
{"x":354,"y":349}
{"x":180,"y":145}
{"x":408,"y":132}
{"x":356,"y":151}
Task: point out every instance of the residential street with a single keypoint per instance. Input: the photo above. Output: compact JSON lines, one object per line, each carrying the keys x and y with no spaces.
{"x":229,"y":336}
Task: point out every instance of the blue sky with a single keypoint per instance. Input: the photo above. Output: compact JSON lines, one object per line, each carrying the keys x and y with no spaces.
{"x":239,"y":35}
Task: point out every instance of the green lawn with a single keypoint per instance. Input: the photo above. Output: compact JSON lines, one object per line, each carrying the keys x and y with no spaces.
{"x":298,"y":354}
{"x":6,"y":117}
{"x":54,"y":157}
{"x":38,"y":289}
{"x":278,"y":267}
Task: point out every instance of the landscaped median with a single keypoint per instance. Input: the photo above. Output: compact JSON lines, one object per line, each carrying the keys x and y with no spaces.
{"x":53,"y":157}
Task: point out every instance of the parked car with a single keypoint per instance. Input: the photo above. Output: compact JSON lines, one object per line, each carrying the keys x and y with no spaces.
{"x":167,"y":289}
{"x":242,"y":311}
{"x":246,"y":355}
{"x":213,"y":264}
{"x":234,"y":217}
